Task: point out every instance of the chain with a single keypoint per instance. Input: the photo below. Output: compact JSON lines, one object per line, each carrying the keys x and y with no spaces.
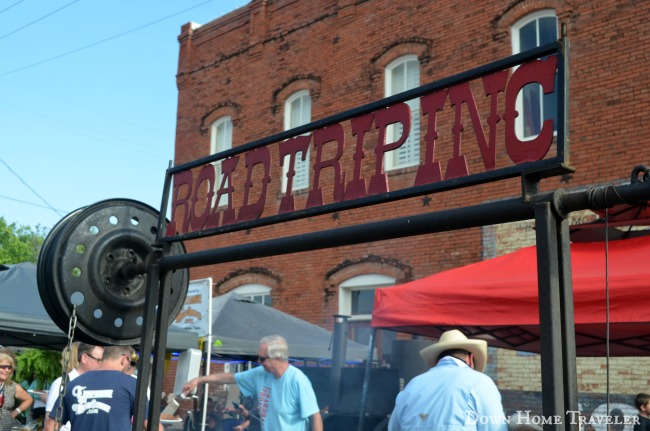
{"x":65,"y":363}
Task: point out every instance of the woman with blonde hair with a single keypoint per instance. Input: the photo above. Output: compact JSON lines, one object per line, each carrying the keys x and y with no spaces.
{"x":14,"y":399}
{"x":70,"y":354}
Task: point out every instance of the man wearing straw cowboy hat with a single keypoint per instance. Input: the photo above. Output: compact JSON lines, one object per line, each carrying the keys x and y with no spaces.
{"x":454,"y":394}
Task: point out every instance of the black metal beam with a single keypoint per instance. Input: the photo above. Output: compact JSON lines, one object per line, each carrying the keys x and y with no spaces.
{"x":479,"y":215}
{"x":509,"y":210}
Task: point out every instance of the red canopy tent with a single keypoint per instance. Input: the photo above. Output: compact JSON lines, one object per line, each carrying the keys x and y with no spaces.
{"x":497,"y":300}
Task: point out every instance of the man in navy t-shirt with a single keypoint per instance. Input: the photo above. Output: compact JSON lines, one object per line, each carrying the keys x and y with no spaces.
{"x":104,"y":399}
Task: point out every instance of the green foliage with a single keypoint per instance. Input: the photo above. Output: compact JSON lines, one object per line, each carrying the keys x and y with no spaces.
{"x":20,"y":243}
{"x":37,"y":364}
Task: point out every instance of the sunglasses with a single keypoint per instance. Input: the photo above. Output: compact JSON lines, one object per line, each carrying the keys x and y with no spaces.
{"x":99,"y":361}
{"x":6,"y":367}
{"x":261,"y":359}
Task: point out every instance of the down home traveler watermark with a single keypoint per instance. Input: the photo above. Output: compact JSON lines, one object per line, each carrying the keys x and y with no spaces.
{"x":527,"y":418}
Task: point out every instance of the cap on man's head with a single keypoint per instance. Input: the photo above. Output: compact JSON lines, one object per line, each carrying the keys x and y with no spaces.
{"x":455,"y":339}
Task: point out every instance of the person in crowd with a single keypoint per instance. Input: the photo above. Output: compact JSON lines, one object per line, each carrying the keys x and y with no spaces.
{"x":81,"y":357}
{"x":642,"y":403}
{"x":250,"y":413}
{"x":35,"y":389}
{"x":102,"y":399}
{"x":212,"y":420}
{"x":286,"y":397}
{"x":452,"y":395}
{"x":617,"y":419}
{"x":132,"y":369}
{"x":14,"y":399}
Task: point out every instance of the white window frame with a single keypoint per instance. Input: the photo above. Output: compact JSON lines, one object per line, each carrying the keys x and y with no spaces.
{"x":301,"y":179}
{"x":409,"y":153}
{"x":515,"y":30}
{"x":360,"y":282}
{"x":220,"y":140}
{"x":253,"y":289}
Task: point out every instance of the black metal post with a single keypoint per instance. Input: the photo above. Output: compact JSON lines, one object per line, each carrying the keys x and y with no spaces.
{"x":160,"y":342}
{"x":568,"y":328}
{"x":339,"y":348}
{"x":549,"y":316}
{"x":146,"y":343}
{"x":153,"y":341}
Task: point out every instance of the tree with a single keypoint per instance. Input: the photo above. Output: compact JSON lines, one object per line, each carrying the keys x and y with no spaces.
{"x":20,"y":243}
{"x":37,"y":364}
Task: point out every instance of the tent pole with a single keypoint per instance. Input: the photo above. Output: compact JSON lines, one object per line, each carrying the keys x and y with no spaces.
{"x":208,"y":357}
{"x":366,"y":379}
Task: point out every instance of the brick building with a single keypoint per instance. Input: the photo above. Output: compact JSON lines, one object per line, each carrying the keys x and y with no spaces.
{"x":277,"y":64}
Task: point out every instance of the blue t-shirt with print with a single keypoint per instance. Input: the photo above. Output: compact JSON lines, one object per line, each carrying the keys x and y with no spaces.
{"x":285,"y":403}
{"x":100,"y":400}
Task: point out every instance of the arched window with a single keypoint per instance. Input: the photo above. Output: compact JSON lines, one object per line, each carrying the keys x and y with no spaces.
{"x":255,"y":292}
{"x":220,"y":140}
{"x":404,"y":74}
{"x":356,"y":299}
{"x":297,"y":112}
{"x":529,"y":32}
{"x":357,"y":294}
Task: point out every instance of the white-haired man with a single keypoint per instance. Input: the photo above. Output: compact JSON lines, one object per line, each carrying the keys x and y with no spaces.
{"x":454,"y":394}
{"x":286,"y":397}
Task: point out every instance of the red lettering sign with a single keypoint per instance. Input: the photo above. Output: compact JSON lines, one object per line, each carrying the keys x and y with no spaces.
{"x":343,"y":170}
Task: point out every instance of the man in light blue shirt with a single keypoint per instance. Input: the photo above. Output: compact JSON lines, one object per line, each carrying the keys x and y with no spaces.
{"x":287,"y":401}
{"x":454,"y":395}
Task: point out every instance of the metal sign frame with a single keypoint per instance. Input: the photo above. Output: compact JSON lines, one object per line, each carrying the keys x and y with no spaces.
{"x":547,"y":61}
{"x":550,"y":211}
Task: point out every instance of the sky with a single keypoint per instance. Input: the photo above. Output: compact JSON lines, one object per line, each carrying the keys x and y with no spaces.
{"x":88,"y":101}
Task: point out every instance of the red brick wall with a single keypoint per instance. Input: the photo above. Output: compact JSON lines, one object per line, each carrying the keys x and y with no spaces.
{"x":246,"y":63}
{"x":242,"y":64}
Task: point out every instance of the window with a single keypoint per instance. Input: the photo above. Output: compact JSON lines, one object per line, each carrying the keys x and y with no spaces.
{"x":357,"y":295}
{"x":534,"y":30}
{"x":220,"y":140}
{"x":297,"y":112}
{"x":356,"y":299}
{"x":401,"y":75}
{"x":255,"y":292}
